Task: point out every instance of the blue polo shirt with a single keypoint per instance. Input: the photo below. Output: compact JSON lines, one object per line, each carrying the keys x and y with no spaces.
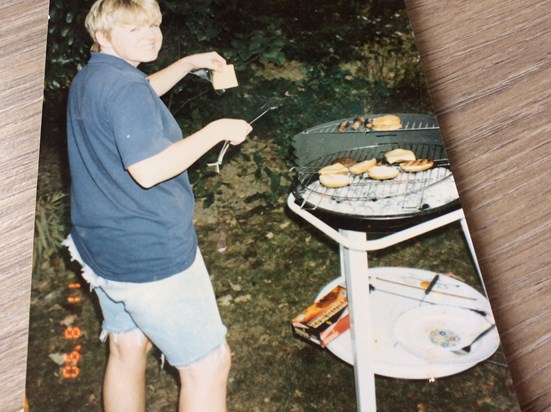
{"x":123,"y":231}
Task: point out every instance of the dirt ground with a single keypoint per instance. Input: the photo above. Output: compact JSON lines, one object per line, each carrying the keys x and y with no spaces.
{"x":273,"y":266}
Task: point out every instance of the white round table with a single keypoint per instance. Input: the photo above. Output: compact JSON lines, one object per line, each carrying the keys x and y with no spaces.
{"x":398,"y":298}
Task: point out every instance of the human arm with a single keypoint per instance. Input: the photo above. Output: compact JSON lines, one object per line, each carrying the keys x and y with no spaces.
{"x":180,"y":155}
{"x":163,"y":80}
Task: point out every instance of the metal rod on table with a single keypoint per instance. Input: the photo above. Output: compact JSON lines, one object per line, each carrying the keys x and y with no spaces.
{"x":481,"y":312}
{"x":421,"y":288}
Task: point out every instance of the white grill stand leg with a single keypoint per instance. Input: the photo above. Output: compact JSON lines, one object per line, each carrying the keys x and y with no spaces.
{"x":469,"y":241}
{"x":354,"y":267}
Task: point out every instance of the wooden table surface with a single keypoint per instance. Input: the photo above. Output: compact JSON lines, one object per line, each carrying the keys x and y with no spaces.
{"x":488,"y":65}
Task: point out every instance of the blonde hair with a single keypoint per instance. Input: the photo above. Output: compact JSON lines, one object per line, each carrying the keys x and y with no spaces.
{"x":104,"y":14}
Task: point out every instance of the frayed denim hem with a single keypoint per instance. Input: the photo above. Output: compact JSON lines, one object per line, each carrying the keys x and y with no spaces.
{"x":87,"y":273}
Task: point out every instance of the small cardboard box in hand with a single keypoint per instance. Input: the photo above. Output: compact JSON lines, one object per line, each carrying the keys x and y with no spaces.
{"x":225,"y":78}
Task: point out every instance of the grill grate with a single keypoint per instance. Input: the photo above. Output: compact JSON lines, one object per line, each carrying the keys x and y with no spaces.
{"x":405,"y":194}
{"x":362,"y":188}
{"x":407,"y":126}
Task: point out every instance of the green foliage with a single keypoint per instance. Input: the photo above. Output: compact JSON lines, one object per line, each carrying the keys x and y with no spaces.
{"x":51,"y":227}
{"x":264,"y":45}
{"x":68,"y":42}
{"x":205,"y":187}
{"x":277,"y":189}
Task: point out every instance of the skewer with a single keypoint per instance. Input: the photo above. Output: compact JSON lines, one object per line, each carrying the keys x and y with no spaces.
{"x":421,"y":288}
{"x":481,"y":312}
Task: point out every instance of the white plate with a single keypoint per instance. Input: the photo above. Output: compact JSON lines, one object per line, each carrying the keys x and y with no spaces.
{"x":434,"y":332}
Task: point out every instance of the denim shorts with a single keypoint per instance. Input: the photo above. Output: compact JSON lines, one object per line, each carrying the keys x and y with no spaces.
{"x":178,"y":314}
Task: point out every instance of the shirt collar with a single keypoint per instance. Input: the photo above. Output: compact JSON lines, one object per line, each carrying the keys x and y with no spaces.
{"x":114,"y":61}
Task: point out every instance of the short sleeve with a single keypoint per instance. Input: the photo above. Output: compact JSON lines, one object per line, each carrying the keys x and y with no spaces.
{"x":137,"y":121}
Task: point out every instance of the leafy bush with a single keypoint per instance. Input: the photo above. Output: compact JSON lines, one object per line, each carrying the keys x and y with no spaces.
{"x":51,"y":227}
{"x":68,"y":42}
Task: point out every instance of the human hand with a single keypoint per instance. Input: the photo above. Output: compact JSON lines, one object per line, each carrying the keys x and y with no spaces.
{"x":209,"y":60}
{"x":233,"y":130}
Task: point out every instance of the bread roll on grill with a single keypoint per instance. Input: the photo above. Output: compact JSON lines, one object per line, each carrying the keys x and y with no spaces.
{"x":383,"y":172}
{"x":416,"y":165}
{"x":386,"y":122}
{"x":334,"y":181}
{"x":346,"y":161}
{"x":362,"y":167}
{"x":334,"y":169}
{"x":399,"y":155}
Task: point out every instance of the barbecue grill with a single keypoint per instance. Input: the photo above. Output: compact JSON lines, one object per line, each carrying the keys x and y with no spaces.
{"x":378,"y":206}
{"x":389,"y":211}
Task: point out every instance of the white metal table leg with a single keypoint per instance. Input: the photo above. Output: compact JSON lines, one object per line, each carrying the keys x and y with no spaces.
{"x":470,"y":245}
{"x":354,"y":264}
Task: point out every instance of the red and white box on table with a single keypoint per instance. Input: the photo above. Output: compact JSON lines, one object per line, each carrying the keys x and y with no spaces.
{"x":325,"y":319}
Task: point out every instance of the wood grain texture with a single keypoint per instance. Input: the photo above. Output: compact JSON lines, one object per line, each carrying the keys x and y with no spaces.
{"x":488,"y":66}
{"x":22,"y":55}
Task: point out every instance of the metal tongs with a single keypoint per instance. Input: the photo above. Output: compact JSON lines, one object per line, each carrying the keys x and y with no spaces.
{"x":226,"y":145}
{"x":207,"y":75}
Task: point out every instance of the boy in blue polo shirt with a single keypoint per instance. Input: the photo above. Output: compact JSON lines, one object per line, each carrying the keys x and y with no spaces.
{"x":132,"y":210}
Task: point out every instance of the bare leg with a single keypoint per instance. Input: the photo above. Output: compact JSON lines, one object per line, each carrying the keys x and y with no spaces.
{"x":204,"y":383}
{"x":124,"y":381}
